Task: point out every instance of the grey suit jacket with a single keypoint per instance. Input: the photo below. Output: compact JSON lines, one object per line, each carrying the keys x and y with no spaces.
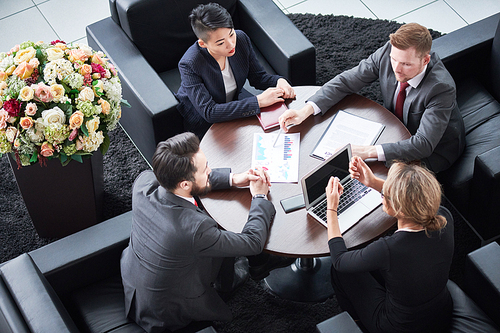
{"x":175,"y":253}
{"x":430,"y":111}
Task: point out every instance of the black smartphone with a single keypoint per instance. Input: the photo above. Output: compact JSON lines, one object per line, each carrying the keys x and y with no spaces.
{"x":293,"y":203}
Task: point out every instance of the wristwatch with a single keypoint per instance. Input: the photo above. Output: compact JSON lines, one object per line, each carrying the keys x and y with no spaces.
{"x":262,"y":196}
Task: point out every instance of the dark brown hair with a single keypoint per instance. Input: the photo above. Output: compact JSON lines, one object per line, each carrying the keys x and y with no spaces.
{"x":173,"y":160}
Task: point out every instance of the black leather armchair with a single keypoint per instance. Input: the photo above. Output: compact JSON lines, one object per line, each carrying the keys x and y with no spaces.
{"x":71,"y":285}
{"x":472,"y":55}
{"x":474,"y":311}
{"x":145,"y":40}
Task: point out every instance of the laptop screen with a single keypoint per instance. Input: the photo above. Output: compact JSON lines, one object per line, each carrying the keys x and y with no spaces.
{"x":317,"y":181}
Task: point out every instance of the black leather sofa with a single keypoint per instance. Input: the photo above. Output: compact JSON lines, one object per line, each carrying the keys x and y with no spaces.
{"x":71,"y":285}
{"x":477,"y":310}
{"x":472,"y":55}
{"x":145,"y":40}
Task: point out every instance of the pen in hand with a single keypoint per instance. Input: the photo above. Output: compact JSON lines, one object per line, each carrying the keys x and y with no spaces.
{"x":279,"y":133}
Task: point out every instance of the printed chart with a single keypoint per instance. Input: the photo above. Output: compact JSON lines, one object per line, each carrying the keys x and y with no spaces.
{"x":280,"y":160}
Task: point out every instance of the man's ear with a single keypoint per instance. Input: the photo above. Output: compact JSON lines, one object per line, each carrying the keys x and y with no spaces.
{"x":427,"y":59}
{"x":201,"y":43}
{"x":185,"y":185}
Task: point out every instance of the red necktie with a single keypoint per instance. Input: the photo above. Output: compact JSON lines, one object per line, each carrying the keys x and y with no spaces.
{"x":400,"y":101}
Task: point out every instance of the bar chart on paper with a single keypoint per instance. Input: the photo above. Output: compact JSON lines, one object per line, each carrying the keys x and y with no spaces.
{"x":281,"y":160}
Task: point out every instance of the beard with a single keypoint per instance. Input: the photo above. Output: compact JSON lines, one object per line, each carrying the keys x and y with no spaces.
{"x":200,"y":191}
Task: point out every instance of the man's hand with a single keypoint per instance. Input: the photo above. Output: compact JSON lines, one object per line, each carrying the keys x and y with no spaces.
{"x":364,"y":152}
{"x":295,"y":117}
{"x":261,"y":184}
{"x":270,"y":96}
{"x":244,"y":179}
{"x":288,"y":91}
{"x":361,"y":171}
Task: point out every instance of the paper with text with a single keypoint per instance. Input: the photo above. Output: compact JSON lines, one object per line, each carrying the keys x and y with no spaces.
{"x":346,"y":128}
{"x":280,"y":161}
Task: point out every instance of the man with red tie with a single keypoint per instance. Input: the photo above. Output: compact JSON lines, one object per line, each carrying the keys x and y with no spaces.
{"x":416,"y":86}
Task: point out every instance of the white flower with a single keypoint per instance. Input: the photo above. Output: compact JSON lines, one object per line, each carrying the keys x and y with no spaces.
{"x":57,"y":69}
{"x":34,"y":135}
{"x":85,"y":48}
{"x":53,"y":116}
{"x":92,"y":142}
{"x":54,"y":53}
{"x":6,"y":63}
{"x":11,"y":133}
{"x":113,"y":89}
{"x":87,"y":94}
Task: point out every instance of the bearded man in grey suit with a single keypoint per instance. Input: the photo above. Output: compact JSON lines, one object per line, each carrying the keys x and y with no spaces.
{"x":430,"y":110}
{"x":176,"y":249}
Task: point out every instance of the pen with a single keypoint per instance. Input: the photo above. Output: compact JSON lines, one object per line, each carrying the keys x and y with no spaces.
{"x":279,"y":133}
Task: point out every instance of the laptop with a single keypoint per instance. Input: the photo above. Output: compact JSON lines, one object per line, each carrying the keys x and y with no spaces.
{"x":356,"y":201}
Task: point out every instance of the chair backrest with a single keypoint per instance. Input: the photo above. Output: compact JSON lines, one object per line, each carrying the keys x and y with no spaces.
{"x":495,"y":65}
{"x":160,"y":28}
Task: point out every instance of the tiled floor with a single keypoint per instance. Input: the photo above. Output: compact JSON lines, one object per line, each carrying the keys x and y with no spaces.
{"x":48,"y":20}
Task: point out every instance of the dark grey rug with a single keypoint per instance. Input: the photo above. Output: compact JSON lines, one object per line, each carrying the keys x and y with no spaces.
{"x":341,"y":42}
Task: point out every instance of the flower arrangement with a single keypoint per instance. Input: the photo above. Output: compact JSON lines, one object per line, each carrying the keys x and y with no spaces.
{"x":57,"y":100}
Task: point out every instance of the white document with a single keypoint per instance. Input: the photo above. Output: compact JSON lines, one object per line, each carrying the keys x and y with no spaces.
{"x":280,"y":161}
{"x":346,"y":128}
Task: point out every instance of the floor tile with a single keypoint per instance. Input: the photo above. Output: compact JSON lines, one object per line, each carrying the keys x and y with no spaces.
{"x":437,"y":16}
{"x":473,"y":11}
{"x":290,"y":3}
{"x":70,"y":17}
{"x":26,"y":25}
{"x":335,"y":7}
{"x":390,"y":9}
{"x":9,"y":7}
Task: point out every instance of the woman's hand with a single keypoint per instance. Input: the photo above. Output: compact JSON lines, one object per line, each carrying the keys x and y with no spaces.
{"x":333,"y":192}
{"x":361,"y":171}
{"x":270,"y":96}
{"x":288,"y":91}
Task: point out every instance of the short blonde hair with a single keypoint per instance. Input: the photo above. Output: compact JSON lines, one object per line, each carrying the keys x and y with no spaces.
{"x":412,"y":35}
{"x":414,"y":192}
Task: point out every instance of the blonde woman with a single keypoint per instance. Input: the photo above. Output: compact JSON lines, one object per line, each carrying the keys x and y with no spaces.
{"x":398,"y":282}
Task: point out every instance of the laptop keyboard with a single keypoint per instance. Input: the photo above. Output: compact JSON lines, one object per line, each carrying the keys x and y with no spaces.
{"x":353,"y":191}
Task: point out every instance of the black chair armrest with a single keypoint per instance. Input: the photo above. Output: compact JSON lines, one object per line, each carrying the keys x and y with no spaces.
{"x":485,"y":194}
{"x":482,"y":279}
{"x":39,"y":305}
{"x":11,"y":320}
{"x":469,"y":45}
{"x":85,"y":257}
{"x":466,"y":39}
{"x":286,"y":49}
{"x":143,"y":88}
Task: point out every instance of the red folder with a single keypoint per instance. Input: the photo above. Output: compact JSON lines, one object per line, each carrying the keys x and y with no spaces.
{"x":269,"y":115}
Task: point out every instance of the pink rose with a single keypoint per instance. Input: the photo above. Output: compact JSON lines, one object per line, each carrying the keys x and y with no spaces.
{"x":3,"y":76}
{"x":112,"y":69}
{"x":77,"y":55}
{"x":42,"y":93}
{"x":85,"y":69}
{"x":26,"y":122}
{"x":4,"y":116}
{"x":14,"y":49}
{"x":24,"y":70}
{"x":31,"y":109}
{"x":47,"y":149}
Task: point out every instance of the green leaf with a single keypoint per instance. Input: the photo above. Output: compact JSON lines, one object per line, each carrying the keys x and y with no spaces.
{"x":34,"y":157}
{"x":67,"y":109}
{"x":124,"y":102}
{"x":77,"y":157}
{"x":84,"y":129}
{"x":105,"y":144}
{"x":64,"y":157}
